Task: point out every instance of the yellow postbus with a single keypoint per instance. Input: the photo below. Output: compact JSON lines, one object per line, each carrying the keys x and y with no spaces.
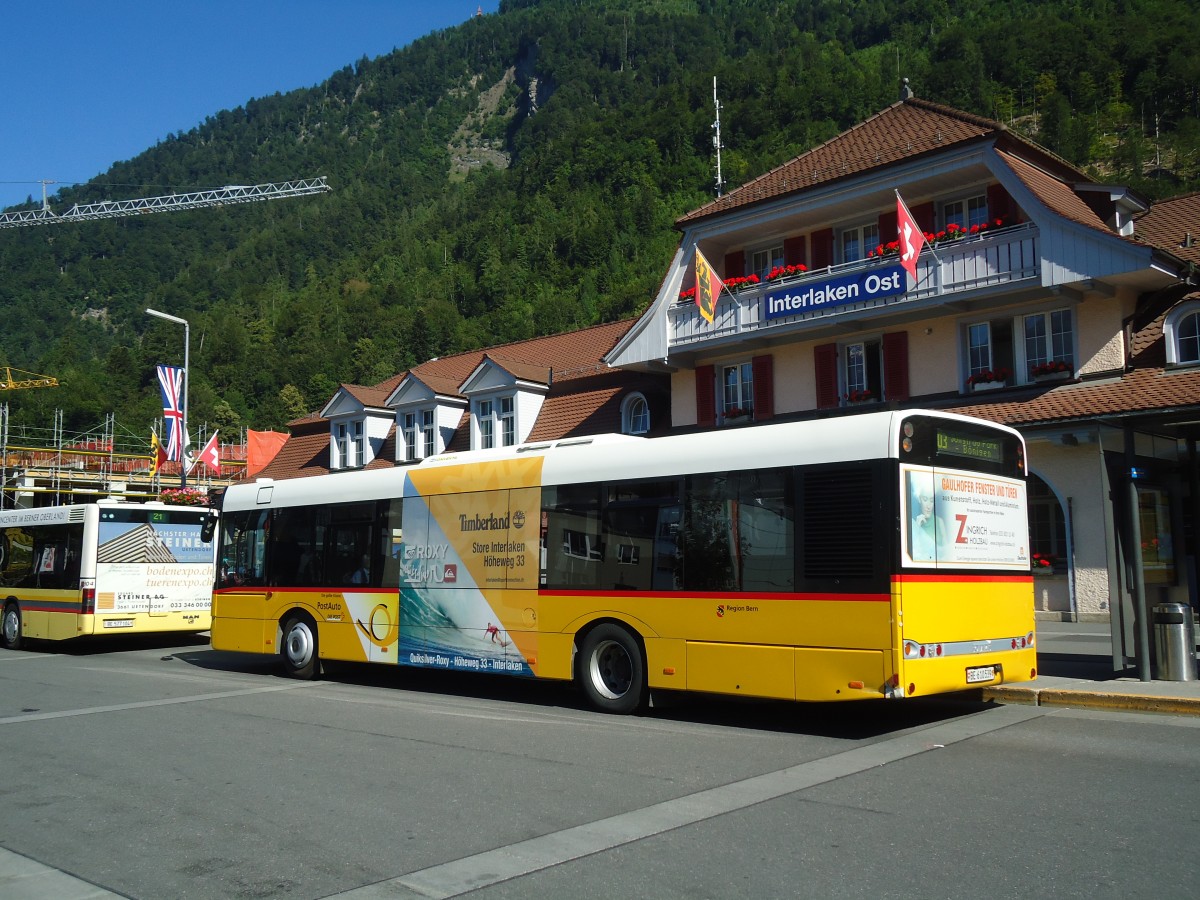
{"x":866,"y":556}
{"x":103,"y":568}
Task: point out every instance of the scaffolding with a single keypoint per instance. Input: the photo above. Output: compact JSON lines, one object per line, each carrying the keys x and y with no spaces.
{"x":42,"y":466}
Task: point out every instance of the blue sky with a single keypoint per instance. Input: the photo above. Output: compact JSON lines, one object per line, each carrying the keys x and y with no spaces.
{"x":86,"y":83}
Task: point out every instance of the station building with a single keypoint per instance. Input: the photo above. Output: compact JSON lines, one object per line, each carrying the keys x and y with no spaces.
{"x":1043,"y":300}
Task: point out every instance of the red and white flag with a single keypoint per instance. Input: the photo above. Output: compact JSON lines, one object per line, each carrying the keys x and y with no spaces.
{"x":909,"y":236}
{"x":209,"y":455}
{"x":708,"y":287}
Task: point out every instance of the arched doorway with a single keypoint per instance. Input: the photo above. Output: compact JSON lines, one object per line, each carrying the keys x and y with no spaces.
{"x":1050,"y":546}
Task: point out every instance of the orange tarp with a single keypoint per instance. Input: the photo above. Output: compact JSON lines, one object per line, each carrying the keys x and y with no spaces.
{"x":261,"y":447}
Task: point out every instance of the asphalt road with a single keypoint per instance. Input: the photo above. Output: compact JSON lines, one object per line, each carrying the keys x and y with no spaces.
{"x":153,"y":770}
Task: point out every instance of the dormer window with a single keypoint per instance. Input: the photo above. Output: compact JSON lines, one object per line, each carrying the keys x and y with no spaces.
{"x":635,"y":415}
{"x":418,"y":434}
{"x":348,"y":441}
{"x":1181,"y":329}
{"x":496,"y":422}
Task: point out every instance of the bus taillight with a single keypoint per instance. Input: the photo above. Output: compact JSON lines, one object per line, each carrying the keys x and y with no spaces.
{"x":88,"y":603}
{"x":913,"y":650}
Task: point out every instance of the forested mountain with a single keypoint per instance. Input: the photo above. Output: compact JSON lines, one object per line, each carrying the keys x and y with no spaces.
{"x":520,"y":175}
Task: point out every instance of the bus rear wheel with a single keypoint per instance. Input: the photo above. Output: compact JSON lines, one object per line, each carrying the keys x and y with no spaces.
{"x":10,"y":626}
{"x":299,"y":647}
{"x":612,"y":670}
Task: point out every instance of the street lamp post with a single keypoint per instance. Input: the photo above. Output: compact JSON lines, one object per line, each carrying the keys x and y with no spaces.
{"x":187,"y":342}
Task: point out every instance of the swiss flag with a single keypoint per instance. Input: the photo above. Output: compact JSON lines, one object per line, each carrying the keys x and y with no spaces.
{"x":209,"y":455}
{"x":910,"y":237}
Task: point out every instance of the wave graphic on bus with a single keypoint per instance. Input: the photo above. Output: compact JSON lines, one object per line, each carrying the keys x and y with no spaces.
{"x":417,"y":610}
{"x":454,"y":629}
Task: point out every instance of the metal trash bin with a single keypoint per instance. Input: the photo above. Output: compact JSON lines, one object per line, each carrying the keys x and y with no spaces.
{"x":1175,"y":639}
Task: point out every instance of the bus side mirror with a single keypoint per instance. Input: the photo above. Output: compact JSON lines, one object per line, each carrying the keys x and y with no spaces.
{"x":209,"y":528}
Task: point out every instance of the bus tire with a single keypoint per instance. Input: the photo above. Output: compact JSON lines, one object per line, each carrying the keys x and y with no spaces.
{"x":298,"y":649}
{"x":10,"y":626}
{"x":612,"y":670}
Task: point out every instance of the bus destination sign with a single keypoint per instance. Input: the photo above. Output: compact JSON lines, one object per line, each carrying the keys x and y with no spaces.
{"x":956,"y":444}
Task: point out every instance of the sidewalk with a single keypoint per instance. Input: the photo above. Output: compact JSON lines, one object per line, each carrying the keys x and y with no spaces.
{"x":1075,"y":669}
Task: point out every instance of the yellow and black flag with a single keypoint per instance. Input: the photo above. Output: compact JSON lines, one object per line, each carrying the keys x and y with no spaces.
{"x":158,"y":455}
{"x":708,"y":287}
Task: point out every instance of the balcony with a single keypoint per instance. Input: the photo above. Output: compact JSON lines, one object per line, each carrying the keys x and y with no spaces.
{"x":1006,"y":257}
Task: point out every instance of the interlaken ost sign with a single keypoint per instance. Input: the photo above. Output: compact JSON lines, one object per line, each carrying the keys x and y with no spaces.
{"x":815,"y":295}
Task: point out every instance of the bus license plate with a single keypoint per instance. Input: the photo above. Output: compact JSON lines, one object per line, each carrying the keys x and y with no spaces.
{"x":118,"y":623}
{"x":981,"y":673}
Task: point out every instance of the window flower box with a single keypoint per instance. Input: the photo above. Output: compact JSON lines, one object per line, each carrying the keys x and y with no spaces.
{"x":951,"y":233}
{"x":1042,"y":566}
{"x":859,"y":398}
{"x":989,"y":379}
{"x":736,"y":416}
{"x":1051,"y":371}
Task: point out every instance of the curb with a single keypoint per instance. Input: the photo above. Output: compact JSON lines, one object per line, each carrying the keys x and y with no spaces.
{"x":1180,"y":706}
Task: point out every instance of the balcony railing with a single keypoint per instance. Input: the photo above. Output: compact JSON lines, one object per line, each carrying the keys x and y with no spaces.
{"x":1002,"y":257}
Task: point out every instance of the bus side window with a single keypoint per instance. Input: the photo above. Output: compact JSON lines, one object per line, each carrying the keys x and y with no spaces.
{"x":16,"y":548}
{"x":574,"y":552}
{"x":350,"y":537}
{"x":392,"y":513}
{"x":641,"y":522}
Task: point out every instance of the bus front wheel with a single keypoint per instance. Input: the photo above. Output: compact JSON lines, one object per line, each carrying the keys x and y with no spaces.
{"x":299,"y":647}
{"x":612,"y":669}
{"x":10,"y":626}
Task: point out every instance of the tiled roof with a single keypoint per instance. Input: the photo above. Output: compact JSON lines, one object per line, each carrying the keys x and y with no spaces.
{"x":1055,"y":193}
{"x":305,"y":452}
{"x":1174,"y":225}
{"x":442,"y":385}
{"x":903,"y":131}
{"x":577,"y":409}
{"x":386,"y":457}
{"x":584,"y":395}
{"x":374,"y":396}
{"x":1147,"y":342}
{"x":575,"y":354}
{"x":1147,"y":390}
{"x":523,"y":371}
{"x":584,"y":412}
{"x":446,"y":375}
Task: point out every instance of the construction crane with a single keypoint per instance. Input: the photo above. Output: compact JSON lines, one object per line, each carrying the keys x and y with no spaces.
{"x":112,"y":209}
{"x":33,"y":381}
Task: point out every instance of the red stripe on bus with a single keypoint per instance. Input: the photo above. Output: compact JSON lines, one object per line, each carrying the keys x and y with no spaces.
{"x":717,"y":595}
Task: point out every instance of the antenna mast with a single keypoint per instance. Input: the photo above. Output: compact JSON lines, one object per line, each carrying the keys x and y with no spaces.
{"x":717,"y":145}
